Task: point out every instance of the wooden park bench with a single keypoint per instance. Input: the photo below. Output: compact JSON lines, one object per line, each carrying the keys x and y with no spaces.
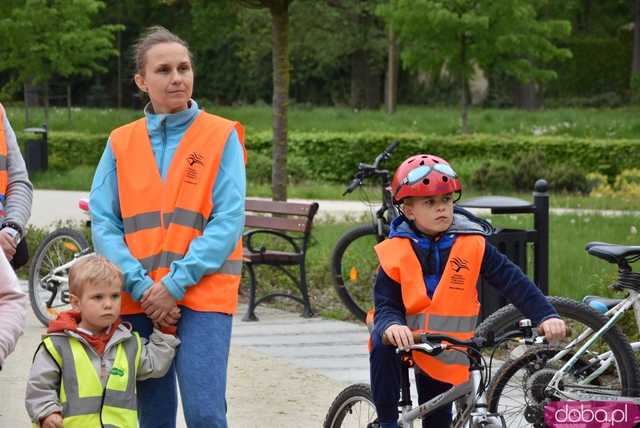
{"x":268,"y":226}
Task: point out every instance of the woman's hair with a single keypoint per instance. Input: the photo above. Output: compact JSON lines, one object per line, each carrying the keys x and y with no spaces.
{"x":151,"y":37}
{"x":90,"y":270}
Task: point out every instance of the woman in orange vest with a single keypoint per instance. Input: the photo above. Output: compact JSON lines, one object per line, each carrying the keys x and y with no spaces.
{"x":427,"y":283}
{"x":167,"y":206}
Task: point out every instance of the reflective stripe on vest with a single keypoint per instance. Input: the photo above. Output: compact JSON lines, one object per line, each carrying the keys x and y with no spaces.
{"x":454,"y":308}
{"x":85,"y":402}
{"x":162,"y":216}
{"x":4,"y":150}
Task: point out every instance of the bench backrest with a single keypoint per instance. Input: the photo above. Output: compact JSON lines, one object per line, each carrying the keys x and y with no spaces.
{"x":276,"y":215}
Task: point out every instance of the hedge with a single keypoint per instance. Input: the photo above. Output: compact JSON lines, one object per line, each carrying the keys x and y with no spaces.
{"x":333,"y":157}
{"x":68,"y":149}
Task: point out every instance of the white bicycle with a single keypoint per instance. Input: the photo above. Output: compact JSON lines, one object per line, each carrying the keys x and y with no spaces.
{"x":49,"y":271}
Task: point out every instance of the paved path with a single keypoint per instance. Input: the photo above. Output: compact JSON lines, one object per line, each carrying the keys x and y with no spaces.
{"x":50,"y":206}
{"x":283,"y":369}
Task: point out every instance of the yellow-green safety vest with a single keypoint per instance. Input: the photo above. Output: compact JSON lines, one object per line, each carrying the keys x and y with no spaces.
{"x":85,"y":403}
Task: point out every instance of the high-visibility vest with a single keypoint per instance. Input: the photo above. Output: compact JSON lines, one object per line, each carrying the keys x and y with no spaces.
{"x":4,"y":176}
{"x":162,"y":217}
{"x":85,"y":402}
{"x":454,"y":308}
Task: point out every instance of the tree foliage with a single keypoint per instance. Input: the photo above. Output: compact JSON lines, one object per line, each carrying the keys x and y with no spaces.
{"x":43,"y":39}
{"x":459,"y":35}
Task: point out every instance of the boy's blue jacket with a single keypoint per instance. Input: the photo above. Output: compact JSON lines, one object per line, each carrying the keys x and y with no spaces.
{"x":496,"y":269}
{"x":207,"y":252}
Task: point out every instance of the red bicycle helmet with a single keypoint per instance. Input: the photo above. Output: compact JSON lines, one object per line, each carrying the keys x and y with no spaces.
{"x":424,"y":175}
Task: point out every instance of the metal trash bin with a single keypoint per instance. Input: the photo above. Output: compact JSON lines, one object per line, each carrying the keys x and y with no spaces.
{"x":514,"y":242}
{"x":37,"y":150}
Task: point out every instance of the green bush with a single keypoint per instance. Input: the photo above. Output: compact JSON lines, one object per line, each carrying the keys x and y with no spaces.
{"x":526,"y":168}
{"x":493,"y":175}
{"x":69,"y":149}
{"x":599,"y":65}
{"x":333,"y":156}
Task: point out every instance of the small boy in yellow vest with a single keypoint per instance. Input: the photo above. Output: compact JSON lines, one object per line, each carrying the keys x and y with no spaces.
{"x":85,"y":370}
{"x":429,"y":268}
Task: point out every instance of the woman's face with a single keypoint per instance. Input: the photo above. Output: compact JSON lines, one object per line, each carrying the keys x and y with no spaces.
{"x":167,"y":78}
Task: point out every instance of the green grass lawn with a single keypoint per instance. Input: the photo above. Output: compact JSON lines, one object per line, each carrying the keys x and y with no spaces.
{"x":601,"y":123}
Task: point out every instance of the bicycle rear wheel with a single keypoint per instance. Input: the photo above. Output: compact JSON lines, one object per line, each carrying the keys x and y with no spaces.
{"x":353,"y":267}
{"x":353,"y":407}
{"x":48,"y":289}
{"x":517,"y":390}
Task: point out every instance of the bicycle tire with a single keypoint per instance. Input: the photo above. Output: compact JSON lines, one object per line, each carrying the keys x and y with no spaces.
{"x":350,"y":400}
{"x":357,"y":293}
{"x":626,"y":369}
{"x":47,"y":256}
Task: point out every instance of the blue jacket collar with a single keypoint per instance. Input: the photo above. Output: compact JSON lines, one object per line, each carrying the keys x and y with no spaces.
{"x":172,"y":121}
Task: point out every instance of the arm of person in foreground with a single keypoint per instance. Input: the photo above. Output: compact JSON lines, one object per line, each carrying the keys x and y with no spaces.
{"x":12,"y":309}
{"x":157,"y":355}
{"x":43,"y":384}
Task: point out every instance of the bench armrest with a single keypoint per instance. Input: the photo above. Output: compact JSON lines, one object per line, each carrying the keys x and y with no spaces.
{"x":249,"y":234}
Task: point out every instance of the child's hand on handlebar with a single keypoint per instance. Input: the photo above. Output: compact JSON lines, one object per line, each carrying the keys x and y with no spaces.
{"x":553,"y":329}
{"x":399,"y":336}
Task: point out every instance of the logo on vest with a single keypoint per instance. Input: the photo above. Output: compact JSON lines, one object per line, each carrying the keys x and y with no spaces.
{"x":194,"y":165}
{"x":458,"y":279}
{"x":117,"y":372}
{"x":459,"y":264}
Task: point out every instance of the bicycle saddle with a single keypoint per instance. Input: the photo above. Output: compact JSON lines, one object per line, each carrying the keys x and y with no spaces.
{"x":608,"y":302}
{"x":612,"y":253}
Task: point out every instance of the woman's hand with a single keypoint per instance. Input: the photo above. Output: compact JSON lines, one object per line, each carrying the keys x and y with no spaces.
{"x":159,"y":304}
{"x":54,"y":420}
{"x":399,"y":336}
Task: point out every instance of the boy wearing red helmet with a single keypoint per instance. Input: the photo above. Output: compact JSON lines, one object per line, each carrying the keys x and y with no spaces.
{"x":429,"y":268}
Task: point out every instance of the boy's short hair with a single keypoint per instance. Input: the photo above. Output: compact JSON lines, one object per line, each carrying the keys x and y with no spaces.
{"x":92,"y":269}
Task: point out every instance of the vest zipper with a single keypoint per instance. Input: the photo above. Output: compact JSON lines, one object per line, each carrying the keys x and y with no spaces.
{"x":163,"y":177}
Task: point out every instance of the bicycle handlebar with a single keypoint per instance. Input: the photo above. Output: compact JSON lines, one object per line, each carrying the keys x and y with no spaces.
{"x":477,"y":342}
{"x":365,"y":170}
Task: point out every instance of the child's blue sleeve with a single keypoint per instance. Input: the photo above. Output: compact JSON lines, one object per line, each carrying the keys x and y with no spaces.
{"x":515,"y":286}
{"x":387,"y":296}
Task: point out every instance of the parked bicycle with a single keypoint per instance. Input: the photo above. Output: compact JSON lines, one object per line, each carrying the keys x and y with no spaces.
{"x":354,"y":262}
{"x":596,"y":362}
{"x":49,"y":271}
{"x":354,"y":407}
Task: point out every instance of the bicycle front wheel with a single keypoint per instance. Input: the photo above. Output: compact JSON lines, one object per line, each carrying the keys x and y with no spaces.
{"x":353,"y":267}
{"x":518,"y":389}
{"x":353,"y":407}
{"x":48,"y":284}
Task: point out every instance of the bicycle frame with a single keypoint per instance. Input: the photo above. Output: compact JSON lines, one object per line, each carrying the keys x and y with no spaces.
{"x":409,"y":414}
{"x":606,"y":359}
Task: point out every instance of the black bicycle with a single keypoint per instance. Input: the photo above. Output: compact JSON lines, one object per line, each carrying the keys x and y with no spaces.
{"x":354,"y":262}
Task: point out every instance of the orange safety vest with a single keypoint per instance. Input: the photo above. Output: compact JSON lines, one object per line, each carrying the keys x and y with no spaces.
{"x":454,"y":308}
{"x":4,"y":176}
{"x":162,"y":217}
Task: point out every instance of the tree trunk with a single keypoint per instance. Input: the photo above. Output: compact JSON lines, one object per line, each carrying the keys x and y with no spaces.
{"x":527,"y":96}
{"x":45,"y":98}
{"x":280,"y":53}
{"x":635,"y":64}
{"x":359,"y":78}
{"x":374,"y":90}
{"x":464,"y":100}
{"x":119,"y":83}
{"x":391,"y":88}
